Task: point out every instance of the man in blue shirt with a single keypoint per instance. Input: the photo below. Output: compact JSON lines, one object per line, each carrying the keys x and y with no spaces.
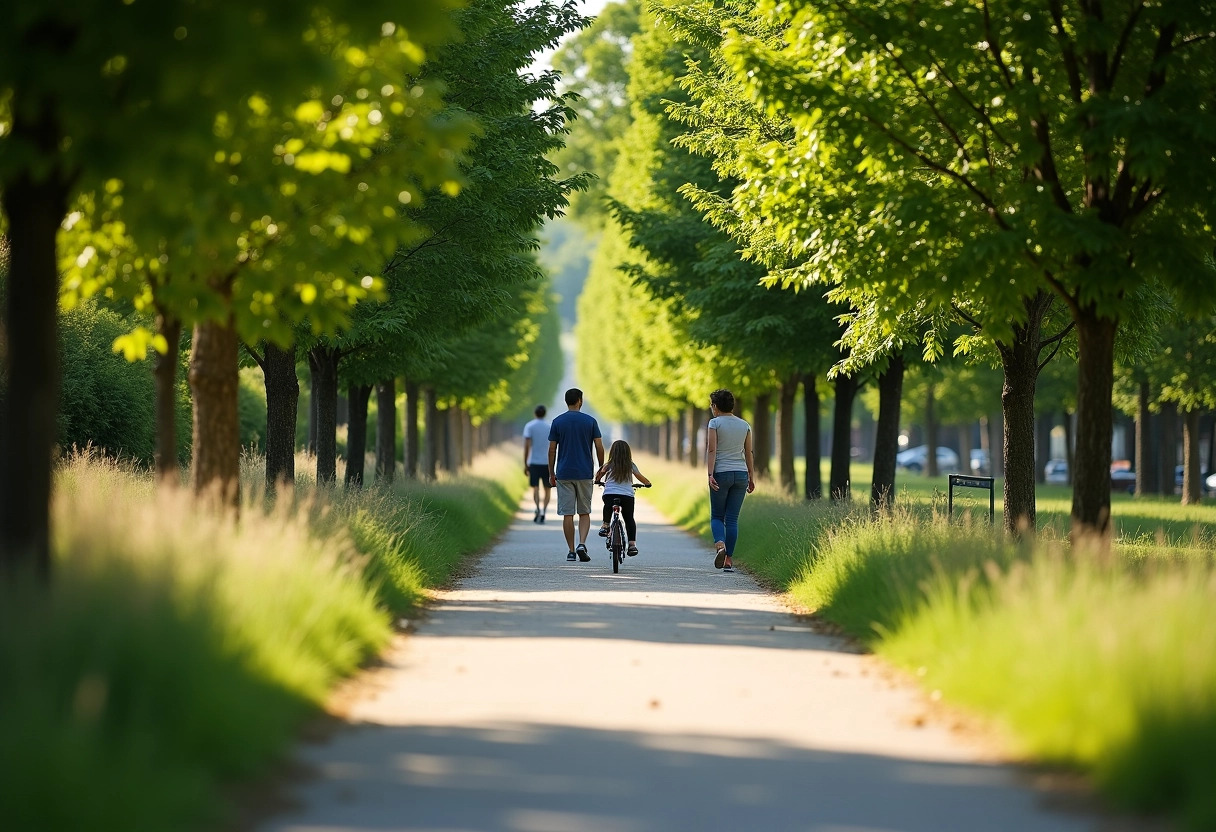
{"x":574,"y":433}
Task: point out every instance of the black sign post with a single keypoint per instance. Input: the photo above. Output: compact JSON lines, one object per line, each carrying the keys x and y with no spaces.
{"x":964,"y":481}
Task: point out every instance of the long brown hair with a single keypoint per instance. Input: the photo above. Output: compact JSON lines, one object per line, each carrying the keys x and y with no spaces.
{"x":620,"y":462}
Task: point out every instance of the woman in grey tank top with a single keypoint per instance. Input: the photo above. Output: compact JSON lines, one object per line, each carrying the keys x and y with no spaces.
{"x":731,"y":473}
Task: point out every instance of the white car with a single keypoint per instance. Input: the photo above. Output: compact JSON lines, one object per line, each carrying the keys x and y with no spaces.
{"x":914,"y":459}
{"x":980,"y":461}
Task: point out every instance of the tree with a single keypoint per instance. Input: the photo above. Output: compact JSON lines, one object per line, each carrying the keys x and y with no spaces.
{"x":1024,"y":152}
{"x":594,"y":66}
{"x":697,"y":268}
{"x":1184,"y":373}
{"x":76,"y":83}
{"x":725,"y":126}
{"x":479,"y":246}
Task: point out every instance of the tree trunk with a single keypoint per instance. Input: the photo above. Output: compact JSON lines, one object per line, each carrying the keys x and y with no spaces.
{"x":681,"y":436}
{"x":311,"y":441}
{"x":785,"y":433}
{"x":456,"y":437}
{"x":931,"y":432}
{"x":1211,"y":466}
{"x":411,"y":429}
{"x":282,"y":403}
{"x":1147,"y":468}
{"x":356,"y":433}
{"x":762,"y":441}
{"x":1042,"y":446}
{"x":386,"y":430}
{"x":217,"y":433}
{"x":431,"y":426}
{"x":445,"y":441}
{"x":1020,"y":369}
{"x":1095,"y":382}
{"x":28,"y":423}
{"x":323,"y":366}
{"x":165,"y":371}
{"x":1191,"y":490}
{"x":467,"y":431}
{"x":813,"y":478}
{"x":839,"y":481}
{"x":1069,"y":455}
{"x":1168,"y":452}
{"x":886,"y":435}
{"x":694,"y":433}
{"x":665,"y":439}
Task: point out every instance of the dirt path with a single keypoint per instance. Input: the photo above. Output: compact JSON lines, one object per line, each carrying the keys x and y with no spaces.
{"x":543,"y":696}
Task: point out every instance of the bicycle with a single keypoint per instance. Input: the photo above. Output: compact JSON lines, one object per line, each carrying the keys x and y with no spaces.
{"x":618,"y":538}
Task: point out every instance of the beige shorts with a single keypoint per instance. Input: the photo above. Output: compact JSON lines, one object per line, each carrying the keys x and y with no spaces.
{"x":573,"y":497}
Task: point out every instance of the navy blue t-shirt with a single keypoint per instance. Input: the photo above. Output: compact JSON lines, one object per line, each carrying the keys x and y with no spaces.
{"x":574,"y":432}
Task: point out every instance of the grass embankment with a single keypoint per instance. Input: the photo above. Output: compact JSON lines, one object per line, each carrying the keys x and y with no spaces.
{"x":177,"y":650}
{"x":1107,"y":666}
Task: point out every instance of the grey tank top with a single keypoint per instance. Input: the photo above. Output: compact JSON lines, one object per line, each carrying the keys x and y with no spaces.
{"x":732,"y":431}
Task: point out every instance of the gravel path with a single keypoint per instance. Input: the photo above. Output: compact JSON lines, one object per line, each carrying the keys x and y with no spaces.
{"x":543,"y":696}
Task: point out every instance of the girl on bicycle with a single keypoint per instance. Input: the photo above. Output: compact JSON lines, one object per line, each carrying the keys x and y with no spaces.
{"x":617,"y":474}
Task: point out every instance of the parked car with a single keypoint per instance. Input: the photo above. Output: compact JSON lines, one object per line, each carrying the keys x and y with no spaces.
{"x":1122,"y":479}
{"x":1207,"y":480}
{"x":1056,"y":472}
{"x":914,"y":459}
{"x":980,"y":462}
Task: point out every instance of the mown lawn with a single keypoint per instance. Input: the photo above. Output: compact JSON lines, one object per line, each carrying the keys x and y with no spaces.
{"x":1149,"y":519}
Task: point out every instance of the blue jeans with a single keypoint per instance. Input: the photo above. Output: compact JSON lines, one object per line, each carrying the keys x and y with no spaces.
{"x":724,"y":506}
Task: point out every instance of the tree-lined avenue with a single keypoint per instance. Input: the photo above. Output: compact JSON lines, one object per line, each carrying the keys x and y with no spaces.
{"x":544,"y":696}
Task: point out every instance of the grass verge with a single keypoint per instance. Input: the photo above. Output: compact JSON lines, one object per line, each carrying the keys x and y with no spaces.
{"x":1106,"y":666}
{"x":177,"y":650}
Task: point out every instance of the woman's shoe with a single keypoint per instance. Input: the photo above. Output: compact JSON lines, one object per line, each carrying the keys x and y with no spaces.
{"x":727,"y":566}
{"x":720,"y":559}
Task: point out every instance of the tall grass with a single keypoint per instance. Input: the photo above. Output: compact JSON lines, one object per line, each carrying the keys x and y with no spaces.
{"x":177,"y":650}
{"x":1105,"y":666}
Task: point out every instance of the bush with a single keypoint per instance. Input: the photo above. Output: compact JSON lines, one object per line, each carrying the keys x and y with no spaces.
{"x":105,"y":401}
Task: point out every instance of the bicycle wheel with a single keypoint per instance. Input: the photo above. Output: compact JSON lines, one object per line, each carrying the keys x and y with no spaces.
{"x":618,"y":547}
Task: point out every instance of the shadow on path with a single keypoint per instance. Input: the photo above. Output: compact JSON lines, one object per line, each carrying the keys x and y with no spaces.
{"x":543,"y":778}
{"x":633,"y":620}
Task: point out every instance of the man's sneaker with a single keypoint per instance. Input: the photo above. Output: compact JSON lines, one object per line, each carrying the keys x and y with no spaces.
{"x":603,"y":532}
{"x":581,"y":550}
{"x":542,"y":518}
{"x":571,"y":557}
{"x":536,"y":516}
{"x":727,"y":567}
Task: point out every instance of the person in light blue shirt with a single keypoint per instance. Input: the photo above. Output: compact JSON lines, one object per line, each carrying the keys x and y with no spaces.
{"x":536,"y":460}
{"x":571,"y":439}
{"x":731,"y":474}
